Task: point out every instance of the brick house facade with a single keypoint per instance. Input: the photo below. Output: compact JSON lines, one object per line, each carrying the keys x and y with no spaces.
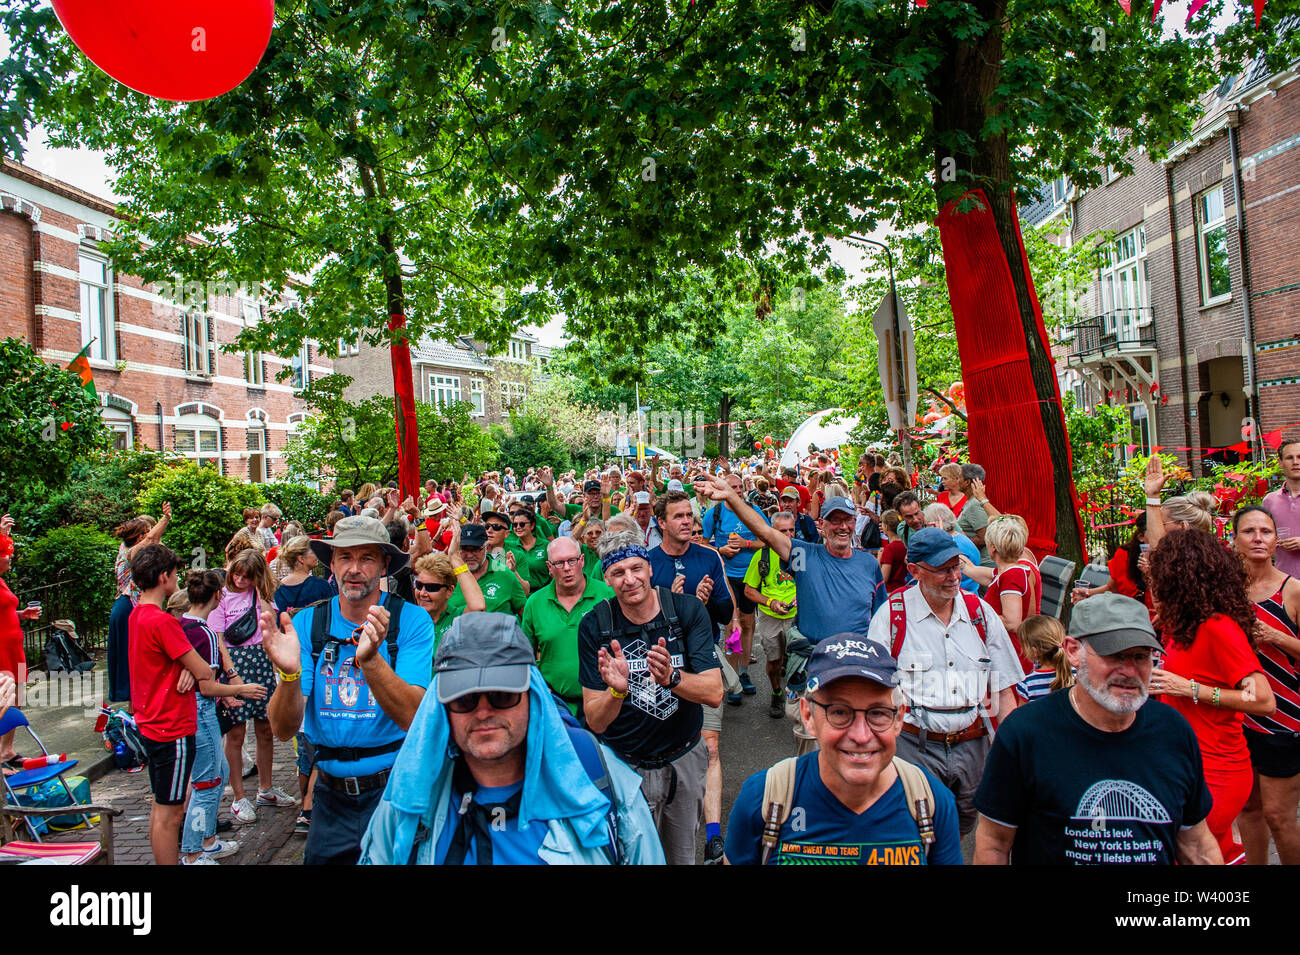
{"x":1172,"y":313}
{"x":163,"y":380}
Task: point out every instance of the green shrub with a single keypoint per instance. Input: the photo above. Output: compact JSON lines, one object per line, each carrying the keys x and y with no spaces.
{"x":79,"y":559}
{"x":207,"y":508}
{"x":298,"y":502}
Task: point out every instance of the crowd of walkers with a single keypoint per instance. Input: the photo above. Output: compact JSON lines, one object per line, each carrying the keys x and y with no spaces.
{"x":535,"y":668}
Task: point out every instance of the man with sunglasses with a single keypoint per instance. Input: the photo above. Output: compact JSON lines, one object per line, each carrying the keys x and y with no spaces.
{"x":958,"y":664}
{"x":553,"y":613}
{"x":494,"y":775}
{"x":848,"y":804}
{"x":502,"y":590}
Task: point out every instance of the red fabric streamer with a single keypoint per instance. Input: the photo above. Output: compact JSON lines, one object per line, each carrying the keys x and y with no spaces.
{"x":408,"y":432}
{"x":1194,"y":8}
{"x":1005,"y":424}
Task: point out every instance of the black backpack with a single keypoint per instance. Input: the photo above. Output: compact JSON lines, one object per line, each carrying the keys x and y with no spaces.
{"x":605,"y":615}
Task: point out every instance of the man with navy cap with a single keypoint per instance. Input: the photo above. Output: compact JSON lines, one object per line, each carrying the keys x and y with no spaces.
{"x":1097,"y":774}
{"x":852,"y":801}
{"x":492,"y":774}
{"x":958,"y":668}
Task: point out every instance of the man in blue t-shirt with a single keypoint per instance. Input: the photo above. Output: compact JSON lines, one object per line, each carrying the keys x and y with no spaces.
{"x":849,"y":799}
{"x":737,"y":545}
{"x":352,"y":699}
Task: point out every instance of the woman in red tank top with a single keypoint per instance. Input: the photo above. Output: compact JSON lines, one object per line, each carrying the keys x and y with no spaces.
{"x":1210,"y":673}
{"x":1274,"y":741}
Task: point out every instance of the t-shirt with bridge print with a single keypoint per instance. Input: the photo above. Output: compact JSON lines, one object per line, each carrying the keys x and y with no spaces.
{"x":1080,"y":796}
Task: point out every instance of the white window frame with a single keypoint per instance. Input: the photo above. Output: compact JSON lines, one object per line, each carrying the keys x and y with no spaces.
{"x":477,"y":398}
{"x":258,"y":430}
{"x":443,"y":390}
{"x":199,"y":348}
{"x":119,"y":422}
{"x":518,"y":350}
{"x":347,"y":348}
{"x":1124,"y":289}
{"x":301,"y":365}
{"x":254,"y":370}
{"x":198,"y":425}
{"x":513,"y":394}
{"x":1204,"y":228}
{"x":104,"y":332}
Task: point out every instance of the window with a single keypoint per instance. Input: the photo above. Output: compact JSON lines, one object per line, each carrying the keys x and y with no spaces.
{"x":476,"y":396}
{"x":513,"y":394}
{"x":1060,"y":190}
{"x":121,"y":425}
{"x":301,"y":377}
{"x":200,"y":350}
{"x":97,"y":307}
{"x":518,"y":350}
{"x":349,"y":347}
{"x":1212,"y":246}
{"x":257,"y":471}
{"x":253,"y":373}
{"x":199,"y":437}
{"x":443,"y":390}
{"x":1124,"y":284}
{"x":1141,"y":431}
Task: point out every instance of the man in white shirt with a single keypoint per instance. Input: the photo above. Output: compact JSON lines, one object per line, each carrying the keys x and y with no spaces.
{"x":956,"y":664}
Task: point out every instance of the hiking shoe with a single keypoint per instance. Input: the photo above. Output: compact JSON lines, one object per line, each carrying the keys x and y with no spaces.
{"x":713,"y":851}
{"x":776,"y":709}
{"x":275,"y":797}
{"x":203,"y":859}
{"x":303,"y":823}
{"x":219,"y":849}
{"x":746,"y":684}
{"x":734,"y":699}
{"x":242,"y":812}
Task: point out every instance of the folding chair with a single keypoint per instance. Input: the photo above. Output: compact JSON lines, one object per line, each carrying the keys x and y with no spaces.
{"x":24,"y":780}
{"x":56,"y":853}
{"x":1057,"y":572}
{"x":1095,"y":575}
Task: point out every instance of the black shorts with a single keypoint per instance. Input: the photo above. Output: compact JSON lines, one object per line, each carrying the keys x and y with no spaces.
{"x":1275,"y":755}
{"x":743,"y":603}
{"x":170,"y":765}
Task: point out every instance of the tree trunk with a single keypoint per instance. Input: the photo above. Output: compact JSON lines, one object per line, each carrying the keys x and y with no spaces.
{"x":724,"y":429}
{"x":967,"y":79}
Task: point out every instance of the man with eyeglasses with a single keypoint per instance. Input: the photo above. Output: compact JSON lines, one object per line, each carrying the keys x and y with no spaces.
{"x":503,"y":590}
{"x":492,"y":774}
{"x":1097,"y":773}
{"x":848,"y":804}
{"x":958,"y":667}
{"x":553,"y":613}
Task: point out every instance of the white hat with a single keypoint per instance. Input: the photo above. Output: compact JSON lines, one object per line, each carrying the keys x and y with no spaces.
{"x":641,"y":497}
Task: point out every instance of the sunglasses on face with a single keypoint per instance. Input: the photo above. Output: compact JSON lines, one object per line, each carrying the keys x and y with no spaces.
{"x":498,"y":528}
{"x":431,"y":588}
{"x":522,"y":523}
{"x":497,"y":699}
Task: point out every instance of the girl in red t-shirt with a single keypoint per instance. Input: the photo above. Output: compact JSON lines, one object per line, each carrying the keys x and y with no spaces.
{"x":1210,"y":672}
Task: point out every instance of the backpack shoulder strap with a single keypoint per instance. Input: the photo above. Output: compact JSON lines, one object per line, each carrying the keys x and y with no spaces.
{"x":320,"y":626}
{"x":920,"y":799}
{"x":977,"y":615}
{"x":593,"y":761}
{"x":668,"y":604}
{"x":764,"y":565}
{"x":395,"y":605}
{"x":605,"y":620}
{"x":778,"y":799}
{"x":897,"y":623}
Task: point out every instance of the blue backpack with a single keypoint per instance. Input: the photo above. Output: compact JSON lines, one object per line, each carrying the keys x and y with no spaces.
{"x":593,"y":761}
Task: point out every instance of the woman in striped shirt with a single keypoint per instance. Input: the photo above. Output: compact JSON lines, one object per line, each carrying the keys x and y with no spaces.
{"x":1274,"y":741}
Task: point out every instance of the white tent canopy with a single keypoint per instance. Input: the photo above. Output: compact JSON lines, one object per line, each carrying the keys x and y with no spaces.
{"x":830,"y":434}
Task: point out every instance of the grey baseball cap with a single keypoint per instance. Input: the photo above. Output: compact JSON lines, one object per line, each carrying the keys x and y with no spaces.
{"x":483,"y":651}
{"x":1112,"y":623}
{"x":360,"y":531}
{"x":838,"y":504}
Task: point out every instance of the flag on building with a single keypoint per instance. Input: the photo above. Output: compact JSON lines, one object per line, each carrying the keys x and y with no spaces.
{"x":81,"y":367}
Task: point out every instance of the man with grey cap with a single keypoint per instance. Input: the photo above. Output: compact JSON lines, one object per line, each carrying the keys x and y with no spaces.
{"x":958,"y":667}
{"x":1097,"y":773}
{"x":495,"y":772}
{"x":852,"y":801}
{"x":352,"y":672}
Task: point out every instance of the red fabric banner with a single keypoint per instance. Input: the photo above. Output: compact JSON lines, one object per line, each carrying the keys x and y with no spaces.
{"x":1005,"y":426}
{"x":408,"y":435}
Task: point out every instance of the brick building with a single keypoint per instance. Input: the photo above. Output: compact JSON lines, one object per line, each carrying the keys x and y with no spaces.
{"x":1195,"y":315}
{"x":164,"y":381}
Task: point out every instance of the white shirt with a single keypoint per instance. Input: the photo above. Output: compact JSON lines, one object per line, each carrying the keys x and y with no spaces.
{"x":945,"y":671}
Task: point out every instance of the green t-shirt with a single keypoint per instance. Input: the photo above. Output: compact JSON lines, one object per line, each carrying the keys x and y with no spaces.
{"x":554,"y":635}
{"x":778,"y":585}
{"x":531,"y":563}
{"x":573,"y":511}
{"x":501,"y":593}
{"x":443,"y":623}
{"x":591,"y":564}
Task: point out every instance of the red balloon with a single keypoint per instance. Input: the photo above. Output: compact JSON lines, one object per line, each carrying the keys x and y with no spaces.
{"x":768,"y":440}
{"x":171,"y":49}
{"x":758,"y":445}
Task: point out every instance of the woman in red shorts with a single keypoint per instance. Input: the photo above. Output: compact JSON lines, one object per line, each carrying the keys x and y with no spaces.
{"x":1273,"y":741}
{"x":12,"y":659}
{"x":1210,"y":673}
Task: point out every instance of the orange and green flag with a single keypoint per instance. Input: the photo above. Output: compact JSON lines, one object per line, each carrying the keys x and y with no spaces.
{"x":81,"y":366}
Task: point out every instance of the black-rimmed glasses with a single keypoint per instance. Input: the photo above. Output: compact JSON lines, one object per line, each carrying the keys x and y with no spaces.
{"x":841,"y":715}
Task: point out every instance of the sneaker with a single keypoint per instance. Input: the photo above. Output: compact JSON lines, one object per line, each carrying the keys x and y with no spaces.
{"x":242,"y":813}
{"x":275,"y":797}
{"x":734,"y":699}
{"x":776,"y":709}
{"x":713,"y":851}
{"x":746,"y":684}
{"x":220,"y":849}
{"x":203,"y":859}
{"x":303,"y":823}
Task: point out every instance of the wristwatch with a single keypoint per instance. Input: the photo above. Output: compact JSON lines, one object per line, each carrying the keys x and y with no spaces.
{"x":674,"y":678}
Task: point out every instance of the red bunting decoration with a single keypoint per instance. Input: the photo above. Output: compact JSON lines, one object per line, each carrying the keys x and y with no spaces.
{"x":1195,"y":7}
{"x":181,"y":50}
{"x":1274,"y":439}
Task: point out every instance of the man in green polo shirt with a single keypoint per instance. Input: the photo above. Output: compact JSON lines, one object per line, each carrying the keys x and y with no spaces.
{"x":529,"y":549}
{"x":775,"y":596}
{"x":502,"y":592}
{"x":595,"y":499}
{"x":552,"y":615}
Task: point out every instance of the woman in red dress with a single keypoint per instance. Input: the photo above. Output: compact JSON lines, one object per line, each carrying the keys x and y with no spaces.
{"x":951,"y":496}
{"x":12,"y":659}
{"x":1210,"y":673}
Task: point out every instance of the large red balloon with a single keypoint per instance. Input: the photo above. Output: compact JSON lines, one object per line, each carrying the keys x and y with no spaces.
{"x":171,"y":49}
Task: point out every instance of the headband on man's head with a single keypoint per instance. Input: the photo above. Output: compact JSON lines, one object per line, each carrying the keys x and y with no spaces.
{"x":623,"y":553}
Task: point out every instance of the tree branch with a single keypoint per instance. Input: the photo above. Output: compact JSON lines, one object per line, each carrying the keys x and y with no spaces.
{"x":955,"y":410}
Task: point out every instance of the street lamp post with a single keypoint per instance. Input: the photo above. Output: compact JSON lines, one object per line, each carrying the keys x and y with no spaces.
{"x":898,"y":351}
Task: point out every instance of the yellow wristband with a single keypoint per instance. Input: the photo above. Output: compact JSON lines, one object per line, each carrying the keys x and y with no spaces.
{"x":461,"y":569}
{"x":617,"y":695}
{"x":604,"y":500}
{"x":287,"y":677}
